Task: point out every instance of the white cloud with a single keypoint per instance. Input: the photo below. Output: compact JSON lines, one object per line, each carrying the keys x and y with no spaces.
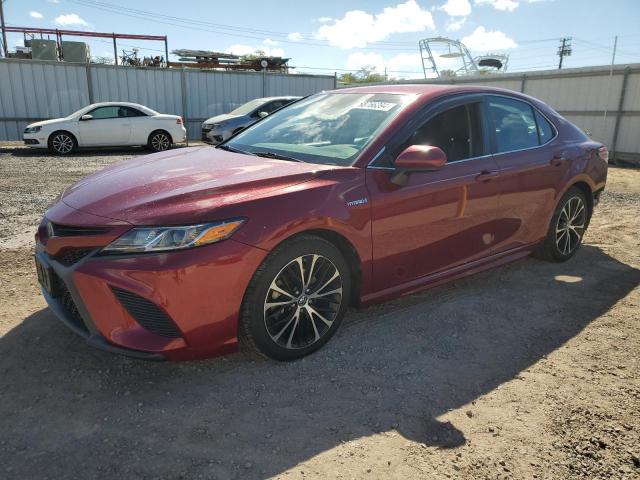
{"x":34,"y":14}
{"x":53,"y":1}
{"x":324,"y":19}
{"x":358,"y":28}
{"x":504,"y":5}
{"x":482,"y":39}
{"x":455,"y":25}
{"x":70,"y":19}
{"x":457,"y":8}
{"x":295,"y":36}
{"x":241,"y":49}
{"x":268,"y":41}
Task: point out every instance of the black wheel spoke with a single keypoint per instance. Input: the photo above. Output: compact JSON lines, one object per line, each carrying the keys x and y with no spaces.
{"x":303,"y":301}
{"x":571,"y":225}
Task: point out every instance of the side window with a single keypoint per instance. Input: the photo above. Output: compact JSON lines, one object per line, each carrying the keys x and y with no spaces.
{"x":545,"y":130}
{"x":273,"y":106}
{"x":457,"y":132}
{"x":102,"y":113}
{"x":130,"y":112}
{"x":514,"y":124}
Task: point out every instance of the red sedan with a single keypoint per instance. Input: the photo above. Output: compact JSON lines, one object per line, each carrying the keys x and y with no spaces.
{"x":343,"y":198}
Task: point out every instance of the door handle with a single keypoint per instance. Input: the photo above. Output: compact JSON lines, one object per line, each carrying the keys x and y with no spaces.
{"x":558,"y":160}
{"x":486,"y":176}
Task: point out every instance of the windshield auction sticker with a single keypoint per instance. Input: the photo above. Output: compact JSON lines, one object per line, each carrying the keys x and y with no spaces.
{"x":372,"y":105}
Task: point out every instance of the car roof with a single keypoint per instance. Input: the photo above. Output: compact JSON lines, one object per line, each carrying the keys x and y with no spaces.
{"x":279,"y":98}
{"x":423,"y":89}
{"x":125,"y":104}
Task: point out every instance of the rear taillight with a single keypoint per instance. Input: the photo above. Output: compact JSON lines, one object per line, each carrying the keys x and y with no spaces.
{"x":603,"y":153}
{"x":179,"y":120}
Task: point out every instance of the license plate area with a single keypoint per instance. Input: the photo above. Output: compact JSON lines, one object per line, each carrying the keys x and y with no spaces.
{"x":48,"y":279}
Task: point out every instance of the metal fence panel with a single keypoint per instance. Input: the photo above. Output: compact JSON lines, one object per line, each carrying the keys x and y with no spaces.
{"x":32,"y":91}
{"x":35,"y":90}
{"x":157,"y":89}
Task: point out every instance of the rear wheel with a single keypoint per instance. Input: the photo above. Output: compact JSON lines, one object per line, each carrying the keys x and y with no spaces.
{"x":296,"y":299}
{"x":159,"y":141}
{"x":568,"y":225}
{"x":62,"y":143}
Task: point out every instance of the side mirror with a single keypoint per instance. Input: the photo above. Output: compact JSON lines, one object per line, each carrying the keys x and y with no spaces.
{"x":417,"y":158}
{"x":263,"y":114}
{"x":86,"y":117}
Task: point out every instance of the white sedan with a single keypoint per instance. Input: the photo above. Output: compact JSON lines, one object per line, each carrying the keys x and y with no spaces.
{"x":108,"y":124}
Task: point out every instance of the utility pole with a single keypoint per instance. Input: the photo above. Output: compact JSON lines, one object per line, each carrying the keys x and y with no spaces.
{"x":5,"y":48}
{"x":564,"y":50}
{"x":613,"y":61}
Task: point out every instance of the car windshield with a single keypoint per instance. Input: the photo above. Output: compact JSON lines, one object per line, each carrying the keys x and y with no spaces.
{"x":248,"y":107}
{"x":327,"y":128}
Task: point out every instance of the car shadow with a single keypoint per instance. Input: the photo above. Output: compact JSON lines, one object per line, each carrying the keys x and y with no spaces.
{"x":72,"y":411}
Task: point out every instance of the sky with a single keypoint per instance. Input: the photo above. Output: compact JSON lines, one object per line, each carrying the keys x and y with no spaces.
{"x":338,"y":36}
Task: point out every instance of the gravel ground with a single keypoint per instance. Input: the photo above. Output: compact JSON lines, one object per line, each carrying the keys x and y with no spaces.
{"x":527,"y":371}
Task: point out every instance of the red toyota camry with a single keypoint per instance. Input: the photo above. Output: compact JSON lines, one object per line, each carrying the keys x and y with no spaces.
{"x":343,"y":198}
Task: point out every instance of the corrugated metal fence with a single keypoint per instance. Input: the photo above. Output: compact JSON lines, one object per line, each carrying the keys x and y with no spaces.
{"x":36,"y":90}
{"x":604,"y":102}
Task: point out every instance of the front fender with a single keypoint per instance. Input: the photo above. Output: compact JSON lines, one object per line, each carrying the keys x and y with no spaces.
{"x":336,"y":201}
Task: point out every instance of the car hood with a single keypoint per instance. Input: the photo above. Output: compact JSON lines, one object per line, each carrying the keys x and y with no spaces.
{"x":48,"y":122}
{"x":225,"y":117}
{"x":183,"y":186}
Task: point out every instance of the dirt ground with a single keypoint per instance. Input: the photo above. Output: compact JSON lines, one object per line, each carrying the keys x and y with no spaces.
{"x":527,"y":371}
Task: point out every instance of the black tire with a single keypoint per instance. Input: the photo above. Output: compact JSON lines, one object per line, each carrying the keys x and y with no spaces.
{"x":565,"y":235}
{"x":159,"y":141}
{"x":62,"y":143}
{"x":273,"y":331}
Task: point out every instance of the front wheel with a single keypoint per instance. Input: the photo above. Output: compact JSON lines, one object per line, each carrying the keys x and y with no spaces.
{"x":568,"y":225}
{"x":62,"y":143}
{"x":159,"y":141}
{"x":296,"y":299}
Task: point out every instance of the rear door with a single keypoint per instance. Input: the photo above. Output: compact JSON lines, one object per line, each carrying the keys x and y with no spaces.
{"x":439,"y":219}
{"x":106,"y":128}
{"x":531,"y":164}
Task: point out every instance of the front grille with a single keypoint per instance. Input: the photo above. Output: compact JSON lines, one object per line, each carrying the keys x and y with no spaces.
{"x":71,"y":231}
{"x":72,"y":255}
{"x":147,"y":314}
{"x":204,"y":137}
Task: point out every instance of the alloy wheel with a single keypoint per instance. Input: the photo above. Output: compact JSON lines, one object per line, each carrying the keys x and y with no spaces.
{"x":571,"y":225}
{"x":303,"y":301}
{"x":160,"y":142}
{"x":62,"y":143}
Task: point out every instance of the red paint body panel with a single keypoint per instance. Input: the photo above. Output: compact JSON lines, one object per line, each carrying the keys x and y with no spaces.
{"x":441,"y":225}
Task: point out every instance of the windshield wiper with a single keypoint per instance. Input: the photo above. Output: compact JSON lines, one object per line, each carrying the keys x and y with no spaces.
{"x":234,"y":150}
{"x":277,"y":156}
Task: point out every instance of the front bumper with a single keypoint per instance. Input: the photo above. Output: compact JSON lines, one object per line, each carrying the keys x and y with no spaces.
{"x":34,"y":140}
{"x":200,"y":290}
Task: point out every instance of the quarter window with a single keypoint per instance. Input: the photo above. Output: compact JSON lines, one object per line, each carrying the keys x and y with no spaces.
{"x":545,"y":130}
{"x":515,"y":125}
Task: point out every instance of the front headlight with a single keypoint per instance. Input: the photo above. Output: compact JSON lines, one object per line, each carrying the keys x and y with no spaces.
{"x":33,"y":129}
{"x":158,"y":239}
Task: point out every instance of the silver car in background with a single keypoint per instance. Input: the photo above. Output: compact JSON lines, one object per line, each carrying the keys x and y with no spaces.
{"x":219,"y":128}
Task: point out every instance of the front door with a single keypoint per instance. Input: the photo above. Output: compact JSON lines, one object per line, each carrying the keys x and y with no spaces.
{"x":439,"y":219}
{"x":109,"y":126}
